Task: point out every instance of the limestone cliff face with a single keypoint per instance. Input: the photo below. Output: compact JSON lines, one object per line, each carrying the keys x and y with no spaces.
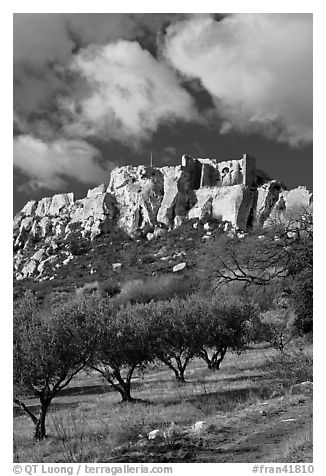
{"x":234,"y":204}
{"x":149,"y":201}
{"x":138,"y":192}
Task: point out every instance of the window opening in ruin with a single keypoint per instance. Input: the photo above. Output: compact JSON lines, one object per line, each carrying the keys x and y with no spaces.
{"x":225,"y":170}
{"x":140,"y":218}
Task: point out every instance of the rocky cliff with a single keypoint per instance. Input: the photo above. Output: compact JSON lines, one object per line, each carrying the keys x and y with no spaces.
{"x":149,"y":201}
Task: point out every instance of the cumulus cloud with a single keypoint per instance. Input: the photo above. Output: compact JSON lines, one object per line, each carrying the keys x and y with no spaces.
{"x":44,"y":44}
{"x":130,"y":94}
{"x":47,"y":165}
{"x":257,"y":68}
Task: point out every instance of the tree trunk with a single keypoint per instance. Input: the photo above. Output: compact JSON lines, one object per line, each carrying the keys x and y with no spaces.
{"x":40,"y":431}
{"x":125,"y":394}
{"x":216,"y":362}
{"x":181,"y":377}
{"x":124,"y":387}
{"x":181,"y":369}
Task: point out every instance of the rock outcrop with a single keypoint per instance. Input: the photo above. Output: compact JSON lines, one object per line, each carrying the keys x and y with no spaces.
{"x":149,"y":201}
{"x":178,"y":196}
{"x":138,"y":192}
{"x":233,"y":204}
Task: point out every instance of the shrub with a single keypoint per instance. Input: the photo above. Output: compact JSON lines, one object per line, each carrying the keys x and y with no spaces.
{"x":155,"y":288}
{"x":277,"y":327}
{"x":77,"y":245}
{"x":291,"y":367}
{"x":108,"y":288}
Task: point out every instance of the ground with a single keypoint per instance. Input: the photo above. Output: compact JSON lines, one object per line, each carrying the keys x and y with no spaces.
{"x":249,"y":417}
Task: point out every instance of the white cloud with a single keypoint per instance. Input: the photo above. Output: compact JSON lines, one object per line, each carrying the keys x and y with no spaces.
{"x":257,"y":68}
{"x":130,"y":94}
{"x":48,"y":164}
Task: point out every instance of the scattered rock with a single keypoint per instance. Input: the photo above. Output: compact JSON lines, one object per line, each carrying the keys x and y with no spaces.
{"x":116,"y":266}
{"x":179,"y":267}
{"x":172,"y":431}
{"x":197,"y":427}
{"x":67,"y":260}
{"x":152,"y":435}
{"x":29,"y":269}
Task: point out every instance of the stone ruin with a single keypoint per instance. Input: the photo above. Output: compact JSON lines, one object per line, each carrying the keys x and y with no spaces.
{"x":151,"y":201}
{"x":210,"y":173}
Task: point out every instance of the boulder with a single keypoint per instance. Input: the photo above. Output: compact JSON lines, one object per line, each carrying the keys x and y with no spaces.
{"x":152,"y":435}
{"x":29,"y":269}
{"x":179,"y":267}
{"x":172,"y":431}
{"x":39,"y":255}
{"x":198,"y":427}
{"x":116,"y":266}
{"x":45,"y":263}
{"x":67,"y":260}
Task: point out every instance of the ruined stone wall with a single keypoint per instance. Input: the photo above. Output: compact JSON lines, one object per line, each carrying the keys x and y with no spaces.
{"x":210,"y":173}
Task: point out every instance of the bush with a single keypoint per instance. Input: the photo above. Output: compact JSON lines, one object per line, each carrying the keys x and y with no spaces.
{"x":156,"y":288}
{"x":277,"y":327}
{"x":292,"y":367}
{"x":108,"y":288}
{"x":77,"y":245}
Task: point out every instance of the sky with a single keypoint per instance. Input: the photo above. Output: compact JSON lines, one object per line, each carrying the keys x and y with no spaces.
{"x":96,"y":91}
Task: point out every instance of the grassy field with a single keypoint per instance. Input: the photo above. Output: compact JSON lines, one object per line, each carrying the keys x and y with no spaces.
{"x":248,"y":415}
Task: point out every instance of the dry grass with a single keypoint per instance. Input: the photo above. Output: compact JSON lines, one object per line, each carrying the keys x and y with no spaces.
{"x":298,"y":448}
{"x":87,"y":423}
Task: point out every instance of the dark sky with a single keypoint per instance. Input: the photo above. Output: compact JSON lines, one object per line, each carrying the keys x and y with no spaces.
{"x":92,"y":92}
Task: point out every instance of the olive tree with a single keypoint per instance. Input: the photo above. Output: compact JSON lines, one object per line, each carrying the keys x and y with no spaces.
{"x":50,"y":348}
{"x":177,"y":331}
{"x":125,"y":344}
{"x":229,"y":324}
